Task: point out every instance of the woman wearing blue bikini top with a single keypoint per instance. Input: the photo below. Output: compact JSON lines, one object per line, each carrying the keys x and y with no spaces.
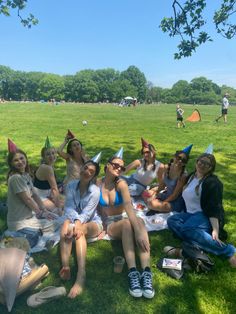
{"x":122,"y":223}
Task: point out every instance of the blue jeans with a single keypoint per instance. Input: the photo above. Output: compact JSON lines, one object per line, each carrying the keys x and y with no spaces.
{"x":196,"y":229}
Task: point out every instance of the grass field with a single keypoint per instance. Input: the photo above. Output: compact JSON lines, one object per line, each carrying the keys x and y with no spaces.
{"x":110,"y":127}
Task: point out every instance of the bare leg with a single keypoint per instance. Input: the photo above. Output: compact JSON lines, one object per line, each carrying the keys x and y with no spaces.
{"x":123,"y":230}
{"x":65,"y":248}
{"x":159,"y":206}
{"x":144,"y":255}
{"x":90,"y":229}
{"x":81,"y":249}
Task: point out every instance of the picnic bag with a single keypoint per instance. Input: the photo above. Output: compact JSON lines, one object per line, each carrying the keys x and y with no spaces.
{"x":199,"y":261}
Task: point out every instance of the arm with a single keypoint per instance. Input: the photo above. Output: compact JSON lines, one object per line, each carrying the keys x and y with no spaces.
{"x":61,"y":147}
{"x":71,"y":200}
{"x":178,"y":189}
{"x":48,"y":173}
{"x":133,"y":165}
{"x":215,"y":229}
{"x":34,"y":203}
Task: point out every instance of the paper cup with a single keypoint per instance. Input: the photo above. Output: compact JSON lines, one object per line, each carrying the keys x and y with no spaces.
{"x":119,"y":262}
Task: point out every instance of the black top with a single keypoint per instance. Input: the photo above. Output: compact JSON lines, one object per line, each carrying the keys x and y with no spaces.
{"x":41,"y":184}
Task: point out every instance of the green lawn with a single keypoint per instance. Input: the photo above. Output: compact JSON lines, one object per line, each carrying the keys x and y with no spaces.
{"x":110,"y":127}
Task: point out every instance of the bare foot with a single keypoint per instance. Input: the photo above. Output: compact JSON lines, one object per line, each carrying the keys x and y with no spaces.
{"x":65,"y":273}
{"x":232,"y":261}
{"x":78,"y":287}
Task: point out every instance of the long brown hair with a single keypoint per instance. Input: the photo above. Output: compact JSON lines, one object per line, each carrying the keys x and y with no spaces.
{"x":151,"y":149}
{"x":10,"y":158}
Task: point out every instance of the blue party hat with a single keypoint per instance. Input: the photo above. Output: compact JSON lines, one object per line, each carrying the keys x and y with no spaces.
{"x":97,"y":158}
{"x":119,"y":154}
{"x":187,"y":149}
{"x":209,"y":149}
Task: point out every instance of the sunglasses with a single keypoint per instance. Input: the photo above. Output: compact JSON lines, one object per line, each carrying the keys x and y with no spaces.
{"x":182,"y":159}
{"x":146,"y":152}
{"x":204,"y":163}
{"x":117,"y":166}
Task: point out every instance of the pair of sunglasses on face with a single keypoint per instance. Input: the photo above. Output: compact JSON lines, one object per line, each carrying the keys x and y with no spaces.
{"x":180,"y":158}
{"x":117,"y":166}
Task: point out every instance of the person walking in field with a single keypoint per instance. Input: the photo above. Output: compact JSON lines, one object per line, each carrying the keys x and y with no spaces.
{"x":180,"y":118}
{"x":225,"y":106}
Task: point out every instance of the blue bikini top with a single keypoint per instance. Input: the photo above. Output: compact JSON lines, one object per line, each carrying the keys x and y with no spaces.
{"x":118,"y":200}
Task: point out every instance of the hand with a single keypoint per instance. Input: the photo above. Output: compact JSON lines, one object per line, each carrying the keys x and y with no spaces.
{"x":142,"y":243}
{"x":77,"y":231}
{"x":215,"y":237}
{"x":70,"y":231}
{"x":49,"y":215}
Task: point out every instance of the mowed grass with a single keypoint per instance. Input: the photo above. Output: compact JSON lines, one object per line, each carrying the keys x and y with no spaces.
{"x":110,"y":127}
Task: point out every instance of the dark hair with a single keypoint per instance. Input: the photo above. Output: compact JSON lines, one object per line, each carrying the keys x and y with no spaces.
{"x":184,"y":162}
{"x":68,"y":148}
{"x":97,"y":167}
{"x":10,"y":158}
{"x":153,"y":150}
{"x":109,"y":161}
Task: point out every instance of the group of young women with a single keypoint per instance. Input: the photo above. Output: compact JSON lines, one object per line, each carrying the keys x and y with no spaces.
{"x":195,"y":200}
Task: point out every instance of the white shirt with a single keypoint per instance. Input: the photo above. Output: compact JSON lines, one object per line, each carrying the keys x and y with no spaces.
{"x":225,"y":103}
{"x":191,"y":198}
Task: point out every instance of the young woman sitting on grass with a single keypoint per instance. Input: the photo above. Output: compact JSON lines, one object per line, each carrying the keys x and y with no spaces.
{"x":75,"y":157}
{"x":167,"y":196}
{"x":122,"y":223}
{"x":45,"y":180}
{"x":147,"y":169}
{"x":82,"y":197}
{"x":202,"y":223}
{"x":25,"y":208}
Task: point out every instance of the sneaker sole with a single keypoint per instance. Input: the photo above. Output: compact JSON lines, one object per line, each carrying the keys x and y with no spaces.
{"x":136,"y":294}
{"x":149,"y":295}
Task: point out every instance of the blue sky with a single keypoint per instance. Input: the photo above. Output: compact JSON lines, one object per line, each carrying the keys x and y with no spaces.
{"x":73,"y":35}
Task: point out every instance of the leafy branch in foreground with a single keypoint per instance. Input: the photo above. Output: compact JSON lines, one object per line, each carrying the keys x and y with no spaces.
{"x":7,"y":5}
{"x":188,"y":22}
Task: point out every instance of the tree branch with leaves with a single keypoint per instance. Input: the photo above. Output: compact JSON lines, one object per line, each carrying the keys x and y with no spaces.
{"x":188,"y":23}
{"x":6,"y":6}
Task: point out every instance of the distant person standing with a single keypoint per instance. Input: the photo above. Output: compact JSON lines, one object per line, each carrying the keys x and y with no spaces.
{"x":225,"y":106}
{"x":180,"y":118}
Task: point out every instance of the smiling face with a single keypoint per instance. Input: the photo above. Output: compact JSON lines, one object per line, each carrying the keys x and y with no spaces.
{"x":88,"y":171}
{"x":115,"y":166}
{"x":19,"y":162}
{"x":205,"y":165}
{"x":180,"y":159}
{"x":49,"y":155}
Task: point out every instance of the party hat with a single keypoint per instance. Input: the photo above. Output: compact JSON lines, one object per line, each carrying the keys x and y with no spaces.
{"x":119,"y":154}
{"x":12,"y":148}
{"x":97,"y":158}
{"x":209,"y":149}
{"x":187,"y":149}
{"x":70,"y":135}
{"x":47,"y":143}
{"x":144,"y":143}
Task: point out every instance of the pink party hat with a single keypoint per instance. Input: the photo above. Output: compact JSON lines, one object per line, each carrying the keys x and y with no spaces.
{"x":12,"y":148}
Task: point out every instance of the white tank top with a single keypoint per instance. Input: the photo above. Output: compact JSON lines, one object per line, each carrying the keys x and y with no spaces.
{"x":146,"y":176}
{"x":192,"y":200}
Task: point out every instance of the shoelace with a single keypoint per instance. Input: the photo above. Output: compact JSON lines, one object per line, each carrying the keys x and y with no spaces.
{"x":147,"y":279}
{"x":134,"y":279}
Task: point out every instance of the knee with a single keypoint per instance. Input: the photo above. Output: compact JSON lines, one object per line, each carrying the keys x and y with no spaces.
{"x":126,"y":226}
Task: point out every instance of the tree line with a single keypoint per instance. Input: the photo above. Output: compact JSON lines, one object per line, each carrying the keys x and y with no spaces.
{"x":106,"y":85}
